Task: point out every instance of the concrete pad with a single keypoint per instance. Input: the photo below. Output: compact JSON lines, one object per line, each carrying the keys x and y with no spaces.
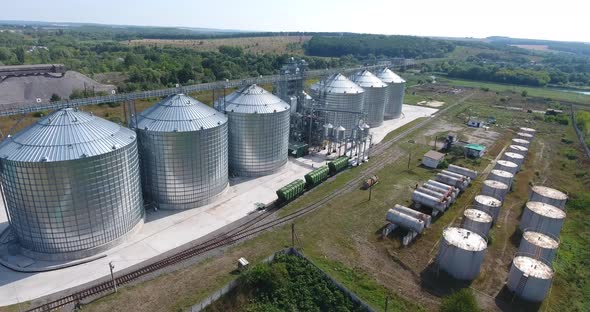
{"x":409,"y":114}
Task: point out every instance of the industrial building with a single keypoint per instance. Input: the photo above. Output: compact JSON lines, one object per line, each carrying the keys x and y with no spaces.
{"x":432,"y":159}
{"x":258,"y":131}
{"x":184,"y":153}
{"x":395,"y":93}
{"x":72,"y":185}
{"x":376,"y":98}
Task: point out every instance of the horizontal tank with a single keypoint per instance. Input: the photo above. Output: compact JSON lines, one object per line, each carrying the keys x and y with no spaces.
{"x":472,"y":174}
{"x":445,"y":186}
{"x":456,"y":175}
{"x":461,"y":184}
{"x":72,"y":185}
{"x":530,"y":279}
{"x":540,"y":245}
{"x":502,"y":176}
{"x":461,"y":253}
{"x":495,"y":189}
{"x":395,"y":93}
{"x":405,"y":221}
{"x":434,"y":193}
{"x":340,"y":100}
{"x":524,"y":136}
{"x":183,"y":152}
{"x":375,"y":97}
{"x":416,"y":214}
{"x":542,"y":217}
{"x":258,"y":131}
{"x":488,"y":204}
{"x":445,"y":192}
{"x":518,"y":149}
{"x":521,"y":142}
{"x":514,"y":157}
{"x":506,"y":166}
{"x":477,"y":221}
{"x":438,"y":204}
{"x":549,"y":196}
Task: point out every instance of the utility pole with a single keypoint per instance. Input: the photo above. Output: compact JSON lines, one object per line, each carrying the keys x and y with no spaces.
{"x":371,"y":189}
{"x":293,"y":235}
{"x":386,"y":303}
{"x":112,"y":267}
{"x":409,"y":159}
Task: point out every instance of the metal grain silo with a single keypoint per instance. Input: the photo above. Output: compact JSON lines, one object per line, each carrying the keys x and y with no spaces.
{"x":541,"y":245}
{"x":542,"y":217}
{"x":375,"y":96}
{"x":341,"y":100}
{"x":529,"y":278}
{"x":183,"y":151}
{"x":502,"y":176}
{"x":488,"y":204}
{"x":461,"y":253}
{"x":72,"y":186}
{"x":549,"y":196}
{"x":258,"y":131}
{"x":396,"y":90}
{"x":477,"y":221}
{"x":495,"y":189}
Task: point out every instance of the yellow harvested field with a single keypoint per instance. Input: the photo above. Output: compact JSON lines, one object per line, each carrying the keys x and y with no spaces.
{"x":274,"y":44}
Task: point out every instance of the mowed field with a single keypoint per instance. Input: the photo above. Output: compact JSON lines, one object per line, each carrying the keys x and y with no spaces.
{"x":274,"y":44}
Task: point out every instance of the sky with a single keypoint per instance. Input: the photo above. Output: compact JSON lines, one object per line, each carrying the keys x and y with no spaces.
{"x":565,"y":20}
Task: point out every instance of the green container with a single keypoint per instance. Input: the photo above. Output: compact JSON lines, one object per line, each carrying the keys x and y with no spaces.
{"x":291,"y":190}
{"x":338,"y":164}
{"x":317,"y":176}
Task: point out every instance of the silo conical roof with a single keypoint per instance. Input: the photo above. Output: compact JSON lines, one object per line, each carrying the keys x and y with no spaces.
{"x":366,"y":79}
{"x":64,"y":135}
{"x":388,"y":76}
{"x":337,"y":83}
{"x":180,"y":113}
{"x":254,"y":100}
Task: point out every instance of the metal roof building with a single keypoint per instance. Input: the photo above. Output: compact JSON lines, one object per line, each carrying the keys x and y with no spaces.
{"x":258,"y":131}
{"x":395,"y":93}
{"x":375,"y":96}
{"x":71,"y":184}
{"x":183,"y":151}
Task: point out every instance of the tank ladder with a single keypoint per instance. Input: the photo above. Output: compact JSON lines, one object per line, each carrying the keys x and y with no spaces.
{"x":440,"y":258}
{"x":520,"y":286}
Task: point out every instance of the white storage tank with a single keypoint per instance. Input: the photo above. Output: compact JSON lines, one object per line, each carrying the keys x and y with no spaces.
{"x":416,"y":214}
{"x":435,"y":203}
{"x":528,"y":130}
{"x":456,"y":175}
{"x":495,"y":189}
{"x":538,"y":244}
{"x":515,"y":158}
{"x":445,"y":192}
{"x":395,"y":93}
{"x":529,"y":278}
{"x":502,"y":176}
{"x":524,"y":136}
{"x":477,"y":221}
{"x":488,"y":204}
{"x":518,"y":149}
{"x":549,"y":196}
{"x":444,"y":186}
{"x":405,"y":221}
{"x":542,"y":217}
{"x":375,"y":97}
{"x":461,"y":253}
{"x":472,"y":174}
{"x":506,"y":166}
{"x":521,"y":142}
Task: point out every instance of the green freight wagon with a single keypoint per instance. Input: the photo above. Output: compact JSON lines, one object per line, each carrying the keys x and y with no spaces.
{"x":291,"y":190}
{"x":317,"y":176}
{"x":338,"y":164}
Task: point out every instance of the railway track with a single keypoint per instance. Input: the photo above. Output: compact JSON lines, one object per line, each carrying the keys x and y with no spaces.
{"x":241,"y":232}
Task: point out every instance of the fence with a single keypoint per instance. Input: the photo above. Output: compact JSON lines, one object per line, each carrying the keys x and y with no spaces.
{"x":290,"y":251}
{"x":579,"y":133}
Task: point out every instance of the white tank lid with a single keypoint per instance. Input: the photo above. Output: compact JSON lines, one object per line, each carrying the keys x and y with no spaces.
{"x":464,"y":239}
{"x":533,"y":267}
{"x":513,"y":155}
{"x":540,"y":239}
{"x":502,"y":173}
{"x":477,"y":215}
{"x":527,"y":129}
{"x":546,"y":210}
{"x":488,"y":200}
{"x":521,"y":141}
{"x":496,"y":184}
{"x":507,"y":163}
{"x":526,"y":135}
{"x":519,"y":147}
{"x":549,"y":192}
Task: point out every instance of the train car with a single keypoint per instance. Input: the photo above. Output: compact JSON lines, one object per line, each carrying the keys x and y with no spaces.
{"x":316,"y":176}
{"x":338,"y":165}
{"x":291,"y":191}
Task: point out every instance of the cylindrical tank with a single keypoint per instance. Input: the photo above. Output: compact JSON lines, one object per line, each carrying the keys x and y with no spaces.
{"x":549,"y":196}
{"x":514,"y":157}
{"x":525,"y":136}
{"x":443,"y":185}
{"x":541,"y":217}
{"x":182,"y":138}
{"x":375,"y":96}
{"x":433,"y":193}
{"x":518,"y":149}
{"x":446,"y":179}
{"x":406,"y":221}
{"x":444,"y":192}
{"x":538,"y":244}
{"x":341,"y":101}
{"x":416,"y":214}
{"x":529,"y":278}
{"x":472,"y":174}
{"x":328,"y":128}
{"x":258,"y":131}
{"x":395,"y":92}
{"x":340,"y":133}
{"x":506,"y":166}
{"x":488,"y":204}
{"x":477,"y":221}
{"x":456,"y":175}
{"x":521,"y":142}
{"x":528,"y":130}
{"x":502,"y":176}
{"x":461,"y":253}
{"x":495,"y":189}
{"x":429,"y":201}
{"x":72,"y":185}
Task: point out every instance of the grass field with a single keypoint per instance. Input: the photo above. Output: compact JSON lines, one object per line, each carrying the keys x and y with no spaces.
{"x":255,"y":45}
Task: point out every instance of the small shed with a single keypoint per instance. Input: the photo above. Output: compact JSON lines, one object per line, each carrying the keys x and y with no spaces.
{"x":432,"y":159}
{"x":475,"y":122}
{"x":475,"y":150}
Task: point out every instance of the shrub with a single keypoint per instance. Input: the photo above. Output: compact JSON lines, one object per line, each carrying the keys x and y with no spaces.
{"x":570,"y":153}
{"x":461,"y":301}
{"x":567,"y":141}
{"x":579,"y":201}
